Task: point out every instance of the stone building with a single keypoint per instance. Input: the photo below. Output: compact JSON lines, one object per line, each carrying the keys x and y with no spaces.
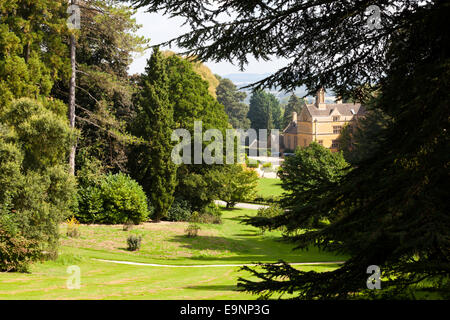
{"x":320,"y":122}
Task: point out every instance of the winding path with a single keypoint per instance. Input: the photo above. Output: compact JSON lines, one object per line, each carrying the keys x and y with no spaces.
{"x":242,"y":205}
{"x":213,"y":265}
{"x":222,"y":203}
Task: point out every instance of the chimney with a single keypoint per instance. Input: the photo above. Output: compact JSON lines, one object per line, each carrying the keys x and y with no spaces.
{"x":294,"y":117}
{"x":320,"y":99}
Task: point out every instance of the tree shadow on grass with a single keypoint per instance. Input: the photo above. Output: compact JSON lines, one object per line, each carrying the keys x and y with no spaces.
{"x":246,"y":249}
{"x":215,"y":288}
{"x":230,"y":209}
{"x":239,"y":218}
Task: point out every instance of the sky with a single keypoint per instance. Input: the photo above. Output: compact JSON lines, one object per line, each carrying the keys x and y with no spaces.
{"x":160,"y":28}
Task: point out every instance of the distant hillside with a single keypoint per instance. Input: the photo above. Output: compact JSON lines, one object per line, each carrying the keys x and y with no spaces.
{"x":244,"y":79}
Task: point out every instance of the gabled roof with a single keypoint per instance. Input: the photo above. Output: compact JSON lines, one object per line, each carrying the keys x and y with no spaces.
{"x":344,"y":109}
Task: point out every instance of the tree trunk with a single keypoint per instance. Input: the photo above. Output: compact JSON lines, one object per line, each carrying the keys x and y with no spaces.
{"x":72,"y":97}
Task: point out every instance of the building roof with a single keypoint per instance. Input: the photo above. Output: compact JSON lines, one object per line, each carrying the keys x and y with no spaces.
{"x":292,"y":128}
{"x":344,"y":109}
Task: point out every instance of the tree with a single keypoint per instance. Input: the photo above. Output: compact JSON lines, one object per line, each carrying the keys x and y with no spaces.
{"x":202,"y":70}
{"x":104,"y":102}
{"x":308,"y":177}
{"x":393,"y":208}
{"x":360,"y":140}
{"x":295,"y":104}
{"x":155,"y":168}
{"x":229,"y":96}
{"x":237,"y":184}
{"x":265,"y":111}
{"x":36,"y":190}
{"x":33,"y":53}
{"x":191,"y":100}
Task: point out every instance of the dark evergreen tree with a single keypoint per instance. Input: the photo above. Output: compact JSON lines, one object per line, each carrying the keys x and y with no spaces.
{"x":265,"y":111}
{"x":308,"y":177}
{"x":392,"y":208}
{"x":152,"y":162}
{"x":229,"y":96}
{"x":359,"y":140}
{"x":189,"y":95}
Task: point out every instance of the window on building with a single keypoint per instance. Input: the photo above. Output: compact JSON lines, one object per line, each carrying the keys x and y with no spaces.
{"x":336,"y":118}
{"x":321,"y":142}
{"x":337,"y":129}
{"x":335,"y":144}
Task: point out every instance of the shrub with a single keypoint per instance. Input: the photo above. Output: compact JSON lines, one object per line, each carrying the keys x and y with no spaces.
{"x":267,"y":165}
{"x":260,"y":199}
{"x":134,"y":242}
{"x":117,"y":200}
{"x":192,"y":230}
{"x":123,"y":200}
{"x":90,"y":204}
{"x":238,"y":184}
{"x":252,"y":164}
{"x":210,"y":215}
{"x":207,"y":218}
{"x":73,"y":228}
{"x":16,"y":251}
{"x":269,"y":212}
{"x":180,"y":211}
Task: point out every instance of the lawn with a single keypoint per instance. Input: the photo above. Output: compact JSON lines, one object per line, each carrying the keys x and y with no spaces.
{"x":164,"y":243}
{"x":269,"y":187}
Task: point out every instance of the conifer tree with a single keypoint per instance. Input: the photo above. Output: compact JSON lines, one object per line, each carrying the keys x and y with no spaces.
{"x":232,"y":99}
{"x":104,"y":89}
{"x":156,"y":170}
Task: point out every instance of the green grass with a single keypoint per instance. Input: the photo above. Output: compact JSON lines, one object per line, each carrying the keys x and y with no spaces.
{"x":269,"y":187}
{"x":165,"y":243}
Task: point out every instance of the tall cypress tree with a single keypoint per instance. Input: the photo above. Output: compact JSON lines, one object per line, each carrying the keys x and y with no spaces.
{"x":157,"y":172}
